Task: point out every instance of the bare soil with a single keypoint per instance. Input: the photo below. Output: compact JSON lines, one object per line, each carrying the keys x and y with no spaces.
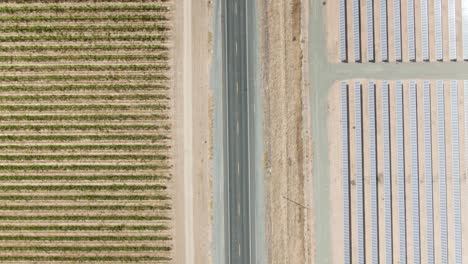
{"x":284,"y":130}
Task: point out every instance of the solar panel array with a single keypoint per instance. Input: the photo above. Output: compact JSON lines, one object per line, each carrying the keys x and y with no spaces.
{"x":402,"y":31}
{"x":401,"y":159}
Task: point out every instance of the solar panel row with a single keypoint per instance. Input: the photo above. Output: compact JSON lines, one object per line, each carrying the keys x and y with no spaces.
{"x":416,"y":27}
{"x":395,"y":129}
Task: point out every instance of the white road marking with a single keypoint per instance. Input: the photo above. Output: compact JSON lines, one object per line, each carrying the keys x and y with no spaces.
{"x":237,"y":127}
{"x":236,"y":46}
{"x":235,"y":8}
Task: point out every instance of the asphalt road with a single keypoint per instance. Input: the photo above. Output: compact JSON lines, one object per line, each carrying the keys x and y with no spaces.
{"x":237,"y":98}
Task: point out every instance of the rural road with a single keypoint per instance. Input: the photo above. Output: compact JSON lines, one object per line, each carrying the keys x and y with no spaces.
{"x":237,"y":48}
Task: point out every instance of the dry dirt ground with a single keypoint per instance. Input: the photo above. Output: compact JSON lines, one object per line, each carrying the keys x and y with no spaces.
{"x":286,"y":147}
{"x":192,"y":190}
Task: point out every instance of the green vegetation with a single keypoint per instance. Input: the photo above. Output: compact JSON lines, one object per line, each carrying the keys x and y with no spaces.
{"x":86,"y":57}
{"x":82,"y":47}
{"x":82,"y":177}
{"x":32,"y":197}
{"x":82,"y":218}
{"x":82,"y":127}
{"x":80,"y":18}
{"x":85,"y":115}
{"x":85,"y":8}
{"x":52,"y":148}
{"x":82,"y":249}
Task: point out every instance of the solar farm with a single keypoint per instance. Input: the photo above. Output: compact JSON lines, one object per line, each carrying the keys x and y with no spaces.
{"x":402,"y":31}
{"x":85,"y":121}
{"x":399,"y":192}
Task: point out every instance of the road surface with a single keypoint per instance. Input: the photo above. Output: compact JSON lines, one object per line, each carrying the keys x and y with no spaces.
{"x":237,"y":98}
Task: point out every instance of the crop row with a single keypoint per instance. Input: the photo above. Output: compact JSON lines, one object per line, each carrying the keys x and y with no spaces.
{"x":82,"y":177}
{"x":84,"y":67}
{"x":83,"y":197}
{"x":71,"y":48}
{"x":114,"y":259}
{"x":81,"y":2}
{"x":85,"y":57}
{"x":84,"y":87}
{"x":82,"y":207}
{"x":87,"y":38}
{"x":77,"y":18}
{"x":82,"y":156}
{"x":82,"y":218}
{"x":84,"y":77}
{"x":94,"y":117}
{"x":114,"y":187}
{"x":84,"y":97}
{"x":88,"y":28}
{"x":82,"y":8}
{"x":153,"y":137}
{"x":101,"y":107}
{"x":83,"y":249}
{"x":81,"y":127}
{"x":74,"y":167}
{"x":75,"y":147}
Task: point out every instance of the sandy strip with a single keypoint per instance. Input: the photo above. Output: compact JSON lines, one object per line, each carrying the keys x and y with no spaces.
{"x":352,"y":178}
{"x":380,"y":166}
{"x":445,"y":31}
{"x":431,"y":26}
{"x":391,"y":30}
{"x":350,"y":32}
{"x":366,"y":171}
{"x":377,"y":32}
{"x":417,"y":30}
{"x":393,"y":154}
{"x":435,"y":173}
{"x":404,"y":31}
{"x":333,"y":30}
{"x":449,"y":169}
{"x":459,"y":30}
{"x":336,"y":181}
{"x":363,"y":10}
{"x":422,"y":183}
{"x":408,"y":162}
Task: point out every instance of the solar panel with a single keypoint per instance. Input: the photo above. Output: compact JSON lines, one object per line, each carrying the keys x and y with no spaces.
{"x":383,"y":30}
{"x":343,"y":48}
{"x":345,"y":172}
{"x":411,"y":38}
{"x":400,"y":170}
{"x":373,"y":172}
{"x":442,"y":171}
{"x":357,"y":30}
{"x":397,"y":27}
{"x":438,"y":29}
{"x":414,"y":169}
{"x":359,"y":171}
{"x":387,"y":173}
{"x":456,"y":170}
{"x":428,"y":171}
{"x":452,"y":30}
{"x":424,"y":30}
{"x":370,"y":29}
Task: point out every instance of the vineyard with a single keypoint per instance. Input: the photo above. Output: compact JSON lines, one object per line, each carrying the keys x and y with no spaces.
{"x":85,"y":121}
